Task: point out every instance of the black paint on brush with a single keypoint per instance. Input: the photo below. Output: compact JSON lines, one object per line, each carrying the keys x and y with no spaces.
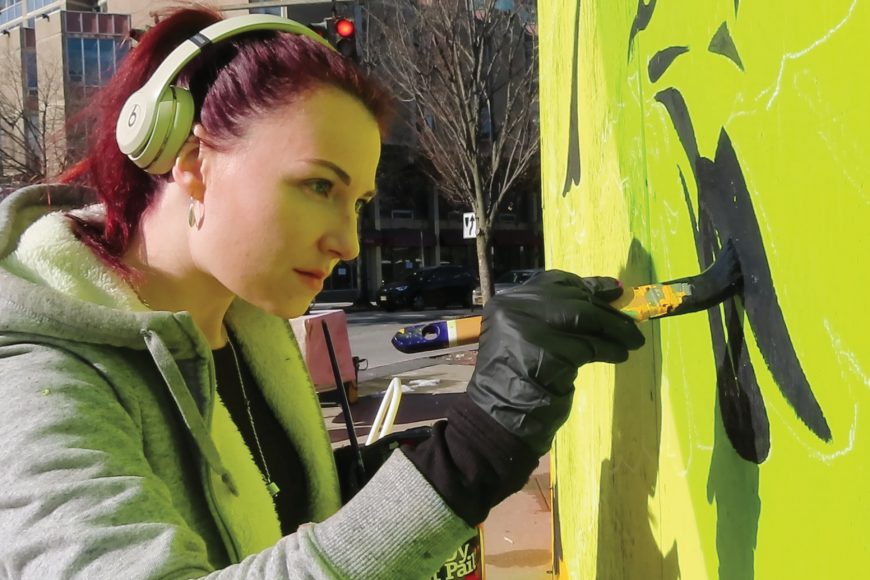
{"x":720,"y":281}
{"x":663,"y":59}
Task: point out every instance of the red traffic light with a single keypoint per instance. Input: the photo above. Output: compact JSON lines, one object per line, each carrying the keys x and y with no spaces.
{"x":344,"y":27}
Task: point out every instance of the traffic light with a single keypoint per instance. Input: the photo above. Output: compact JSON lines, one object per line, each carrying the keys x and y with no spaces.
{"x":340,"y":32}
{"x":345,"y":37}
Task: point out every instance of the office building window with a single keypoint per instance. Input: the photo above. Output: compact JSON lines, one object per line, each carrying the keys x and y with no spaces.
{"x":37,"y":4}
{"x":11,"y":12}
{"x":75,"y":66}
{"x":96,"y":23}
{"x":275,"y":10}
{"x":30,"y":71}
{"x":93,"y":61}
{"x":28,"y":50}
{"x":94,"y":46}
{"x":91,"y":66}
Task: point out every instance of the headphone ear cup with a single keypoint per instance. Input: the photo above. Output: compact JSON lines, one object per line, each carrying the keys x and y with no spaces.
{"x":164,"y":114}
{"x":134,"y":124}
{"x":176,"y":134}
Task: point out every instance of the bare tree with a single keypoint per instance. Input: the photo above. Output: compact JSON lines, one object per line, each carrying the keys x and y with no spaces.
{"x":468,"y":70}
{"x":32,"y":117}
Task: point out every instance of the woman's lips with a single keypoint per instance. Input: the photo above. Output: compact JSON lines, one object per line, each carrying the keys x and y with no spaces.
{"x":312,"y":279}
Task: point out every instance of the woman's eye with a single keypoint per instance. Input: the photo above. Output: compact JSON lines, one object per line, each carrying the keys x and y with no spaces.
{"x":320,"y":186}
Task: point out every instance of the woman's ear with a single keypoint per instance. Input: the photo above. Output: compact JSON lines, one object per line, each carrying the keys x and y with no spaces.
{"x":187,"y":171}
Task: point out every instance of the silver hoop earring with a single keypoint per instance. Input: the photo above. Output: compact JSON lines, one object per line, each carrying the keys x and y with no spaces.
{"x":194,"y":220}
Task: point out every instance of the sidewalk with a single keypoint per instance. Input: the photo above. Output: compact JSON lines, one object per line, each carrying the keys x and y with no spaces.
{"x":517,"y":535}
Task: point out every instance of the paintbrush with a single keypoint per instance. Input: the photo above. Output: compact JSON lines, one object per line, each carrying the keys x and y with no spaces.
{"x":720,"y":281}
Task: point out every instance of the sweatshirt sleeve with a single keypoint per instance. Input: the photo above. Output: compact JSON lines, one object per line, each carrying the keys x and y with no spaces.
{"x":78,"y":498}
{"x":473,"y":461}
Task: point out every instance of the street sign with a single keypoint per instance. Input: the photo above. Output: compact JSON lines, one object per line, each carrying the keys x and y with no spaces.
{"x":469,"y":225}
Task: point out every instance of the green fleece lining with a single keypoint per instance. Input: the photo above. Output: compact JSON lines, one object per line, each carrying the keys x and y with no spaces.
{"x":288,"y":389}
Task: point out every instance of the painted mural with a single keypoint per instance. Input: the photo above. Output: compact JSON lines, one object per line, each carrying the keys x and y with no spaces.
{"x":736,"y":444}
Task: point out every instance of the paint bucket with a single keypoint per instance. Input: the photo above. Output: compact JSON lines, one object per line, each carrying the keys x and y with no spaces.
{"x":466,"y":563}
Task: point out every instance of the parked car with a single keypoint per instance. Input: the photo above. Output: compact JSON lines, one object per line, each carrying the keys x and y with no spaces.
{"x":438,"y":286}
{"x":507,"y":280}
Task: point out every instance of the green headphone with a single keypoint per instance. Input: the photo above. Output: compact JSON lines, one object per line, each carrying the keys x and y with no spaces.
{"x":157,"y":119}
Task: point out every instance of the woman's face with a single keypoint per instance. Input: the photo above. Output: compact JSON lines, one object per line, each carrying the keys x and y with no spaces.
{"x":281,"y":203}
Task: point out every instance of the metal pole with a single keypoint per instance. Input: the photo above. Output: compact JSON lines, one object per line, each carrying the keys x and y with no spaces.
{"x":345,"y":406}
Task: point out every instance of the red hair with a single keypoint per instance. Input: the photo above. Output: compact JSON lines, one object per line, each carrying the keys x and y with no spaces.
{"x":231,"y":82}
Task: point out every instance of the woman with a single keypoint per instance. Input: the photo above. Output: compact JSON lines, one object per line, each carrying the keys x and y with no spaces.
{"x":157,"y":419}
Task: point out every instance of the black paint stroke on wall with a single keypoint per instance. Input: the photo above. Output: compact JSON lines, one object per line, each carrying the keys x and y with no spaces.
{"x":663,"y":59}
{"x":739,"y":400}
{"x":723,"y":44}
{"x":725,"y":211}
{"x":730,"y":199}
{"x":572,"y":168}
{"x":676,"y":107}
{"x":641,"y":20}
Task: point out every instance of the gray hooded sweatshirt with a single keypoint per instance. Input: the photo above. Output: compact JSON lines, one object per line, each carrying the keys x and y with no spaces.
{"x":118,"y":459}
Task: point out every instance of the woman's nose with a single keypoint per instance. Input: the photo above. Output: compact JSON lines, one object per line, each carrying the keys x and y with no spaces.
{"x":343,"y":240}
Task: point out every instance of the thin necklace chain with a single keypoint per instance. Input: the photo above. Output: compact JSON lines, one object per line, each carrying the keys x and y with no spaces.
{"x":270,"y":485}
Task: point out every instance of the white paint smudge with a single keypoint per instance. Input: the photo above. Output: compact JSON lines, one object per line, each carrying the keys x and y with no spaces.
{"x":843,"y":355}
{"x":846,"y":355}
{"x":796,"y":55}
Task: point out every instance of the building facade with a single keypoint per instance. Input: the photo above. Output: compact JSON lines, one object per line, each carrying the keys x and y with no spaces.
{"x":54,"y":55}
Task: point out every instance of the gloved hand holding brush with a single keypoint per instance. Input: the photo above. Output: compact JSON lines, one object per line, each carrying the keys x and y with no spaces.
{"x":534,"y":339}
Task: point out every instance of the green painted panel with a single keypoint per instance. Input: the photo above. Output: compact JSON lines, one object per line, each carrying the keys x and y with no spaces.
{"x":666,"y":128}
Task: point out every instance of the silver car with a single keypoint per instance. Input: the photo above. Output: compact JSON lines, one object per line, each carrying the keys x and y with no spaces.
{"x":507,"y":280}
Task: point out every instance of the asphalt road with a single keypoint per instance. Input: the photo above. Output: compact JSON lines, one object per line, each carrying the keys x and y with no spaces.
{"x":370,"y":333}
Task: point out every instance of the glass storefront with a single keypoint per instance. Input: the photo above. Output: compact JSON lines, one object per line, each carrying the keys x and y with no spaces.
{"x":398,"y":262}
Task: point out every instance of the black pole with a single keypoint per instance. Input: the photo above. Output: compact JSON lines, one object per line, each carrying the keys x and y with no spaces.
{"x":345,"y":405}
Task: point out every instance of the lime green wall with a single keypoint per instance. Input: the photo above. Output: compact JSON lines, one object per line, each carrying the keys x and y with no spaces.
{"x":647,"y":481}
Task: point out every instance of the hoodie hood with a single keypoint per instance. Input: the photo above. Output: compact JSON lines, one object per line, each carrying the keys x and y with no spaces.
{"x":60,"y":289}
{"x":53,"y":288}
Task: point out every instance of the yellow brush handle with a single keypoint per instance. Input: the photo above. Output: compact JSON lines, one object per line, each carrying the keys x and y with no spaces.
{"x":651,"y":300}
{"x":640,"y":303}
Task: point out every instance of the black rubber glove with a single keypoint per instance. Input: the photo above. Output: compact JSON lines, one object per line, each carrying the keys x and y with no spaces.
{"x":533,"y":340}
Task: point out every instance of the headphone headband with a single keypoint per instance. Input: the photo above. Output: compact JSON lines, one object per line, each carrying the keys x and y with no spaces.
{"x":156,"y":120}
{"x":187,"y":50}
